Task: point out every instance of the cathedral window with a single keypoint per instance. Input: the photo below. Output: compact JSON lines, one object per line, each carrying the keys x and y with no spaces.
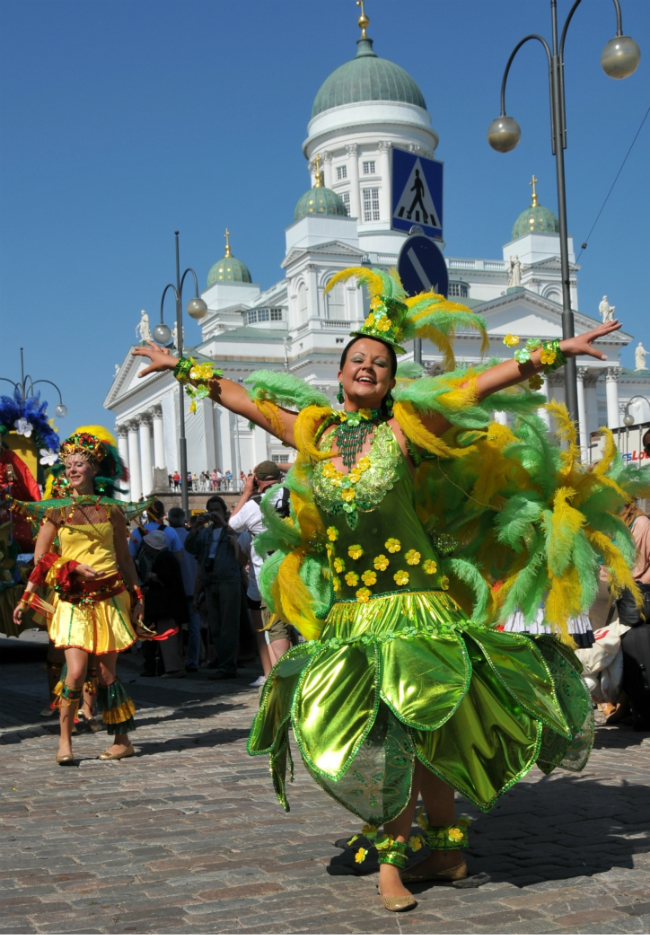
{"x":341,"y":173}
{"x":371,"y":204}
{"x":336,"y":303}
{"x":345,"y":198}
{"x":369,"y":167}
{"x":302,"y":302}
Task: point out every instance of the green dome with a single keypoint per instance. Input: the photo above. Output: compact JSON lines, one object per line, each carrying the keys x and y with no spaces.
{"x":535,"y":219}
{"x":367,"y":78}
{"x":228,"y":269}
{"x":320,"y":200}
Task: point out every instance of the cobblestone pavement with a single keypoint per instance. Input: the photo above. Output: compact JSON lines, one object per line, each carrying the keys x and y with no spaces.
{"x":188,"y":837}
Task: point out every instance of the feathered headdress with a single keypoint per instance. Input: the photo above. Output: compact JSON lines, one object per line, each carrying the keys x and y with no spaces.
{"x":95,"y":443}
{"x":394,"y":317}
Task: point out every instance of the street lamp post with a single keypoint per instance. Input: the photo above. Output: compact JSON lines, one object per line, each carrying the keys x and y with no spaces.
{"x":26,"y":388}
{"x":619,"y":58}
{"x":196,"y":308}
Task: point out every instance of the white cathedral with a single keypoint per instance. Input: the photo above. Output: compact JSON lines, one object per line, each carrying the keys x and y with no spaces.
{"x":365,"y":109}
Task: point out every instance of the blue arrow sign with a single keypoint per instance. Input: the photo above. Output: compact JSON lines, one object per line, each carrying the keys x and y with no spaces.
{"x":417,"y":193}
{"x":422,"y":267}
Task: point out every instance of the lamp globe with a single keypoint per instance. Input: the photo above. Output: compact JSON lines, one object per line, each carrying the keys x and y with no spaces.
{"x":60,"y":411}
{"x":620,"y":58}
{"x":503,"y":134}
{"x":196,"y":308}
{"x":628,"y":419}
{"x":162,"y":334}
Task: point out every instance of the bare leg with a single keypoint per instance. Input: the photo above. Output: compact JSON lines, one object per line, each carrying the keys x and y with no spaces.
{"x":76,"y":661}
{"x":277,"y":649}
{"x":390,"y":880}
{"x":438,"y":799}
{"x":106,"y":666}
{"x":262,"y":645}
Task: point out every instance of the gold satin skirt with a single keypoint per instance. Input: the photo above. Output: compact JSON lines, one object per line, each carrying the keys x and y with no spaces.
{"x":407,"y":676}
{"x":98,"y":628}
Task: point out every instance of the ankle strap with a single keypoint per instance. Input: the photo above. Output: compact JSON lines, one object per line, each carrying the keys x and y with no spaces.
{"x":392,"y":852}
{"x":445,"y":837}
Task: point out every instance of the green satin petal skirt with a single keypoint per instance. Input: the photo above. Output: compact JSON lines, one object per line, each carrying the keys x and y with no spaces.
{"x":407,"y":676}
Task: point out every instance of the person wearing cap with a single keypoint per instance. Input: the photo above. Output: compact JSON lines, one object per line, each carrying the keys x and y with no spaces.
{"x":165,"y":605}
{"x":176,"y":520}
{"x":247,"y":517}
{"x":156,"y":515}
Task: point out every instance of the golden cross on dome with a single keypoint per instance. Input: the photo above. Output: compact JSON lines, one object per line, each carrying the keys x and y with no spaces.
{"x":534,"y":183}
{"x":319,"y":182}
{"x":227,"y":236}
{"x":363,"y":22}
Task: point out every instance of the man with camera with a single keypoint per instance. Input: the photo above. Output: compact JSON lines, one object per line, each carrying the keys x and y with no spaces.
{"x":247,"y":517}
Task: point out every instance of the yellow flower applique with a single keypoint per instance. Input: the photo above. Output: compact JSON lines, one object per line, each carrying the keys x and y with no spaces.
{"x":547,"y":356}
{"x":332,"y":533}
{"x":401,"y":577}
{"x":329,"y":470}
{"x":376,"y":303}
{"x":412,"y":557}
{"x":355,"y":552}
{"x":363,"y":594}
{"x":444,"y":583}
{"x":381,"y":563}
{"x":535,"y":382}
{"x":347,"y":494}
{"x":363,"y":464}
{"x":369,"y":577}
{"x":339,"y":564}
{"x":360,"y":855}
{"x":370,"y":320}
{"x":511,"y":340}
{"x":352,"y":579}
{"x":393,"y":545}
{"x":384,"y":324}
{"x":355,"y":476}
{"x":415,"y":842}
{"x":455,"y":834}
{"x":430,"y":566}
{"x":336,"y":583}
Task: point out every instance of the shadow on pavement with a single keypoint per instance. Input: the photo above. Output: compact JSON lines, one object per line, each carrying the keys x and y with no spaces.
{"x":618,"y":738}
{"x":216,"y":737}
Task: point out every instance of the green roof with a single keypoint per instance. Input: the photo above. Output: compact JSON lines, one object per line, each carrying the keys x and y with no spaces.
{"x":228,"y":269}
{"x":367,"y":78}
{"x":534,"y":220}
{"x":322,"y":201}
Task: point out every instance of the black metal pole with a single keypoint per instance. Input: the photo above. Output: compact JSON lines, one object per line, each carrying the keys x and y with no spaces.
{"x":182,"y":441}
{"x":559,"y":143}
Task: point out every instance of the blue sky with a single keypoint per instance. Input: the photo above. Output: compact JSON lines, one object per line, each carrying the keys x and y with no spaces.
{"x":123,"y":121}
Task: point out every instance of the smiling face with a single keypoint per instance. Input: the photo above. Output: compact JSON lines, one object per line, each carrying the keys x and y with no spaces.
{"x":366,"y":374}
{"x":81,"y":473}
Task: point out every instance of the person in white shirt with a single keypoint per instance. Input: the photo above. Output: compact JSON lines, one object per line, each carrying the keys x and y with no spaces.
{"x":247,"y":517}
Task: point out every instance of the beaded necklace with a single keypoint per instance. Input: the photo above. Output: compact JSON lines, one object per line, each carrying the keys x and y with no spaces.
{"x":352,"y":432}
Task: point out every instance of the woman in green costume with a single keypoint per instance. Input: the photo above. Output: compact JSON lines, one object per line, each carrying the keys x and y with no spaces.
{"x":402,"y":503}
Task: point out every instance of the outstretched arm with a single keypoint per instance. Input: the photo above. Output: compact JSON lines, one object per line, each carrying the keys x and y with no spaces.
{"x":227,"y":393}
{"x":509,"y":372}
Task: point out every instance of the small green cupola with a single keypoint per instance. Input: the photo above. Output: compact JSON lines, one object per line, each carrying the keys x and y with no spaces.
{"x":228,"y":268}
{"x":320,"y":200}
{"x":535,"y":219}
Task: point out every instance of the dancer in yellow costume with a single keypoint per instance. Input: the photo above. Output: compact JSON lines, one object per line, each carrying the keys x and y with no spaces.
{"x":403,"y":502}
{"x":91,"y":579}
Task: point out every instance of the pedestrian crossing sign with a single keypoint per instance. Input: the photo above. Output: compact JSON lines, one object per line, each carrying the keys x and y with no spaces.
{"x":417,"y":193}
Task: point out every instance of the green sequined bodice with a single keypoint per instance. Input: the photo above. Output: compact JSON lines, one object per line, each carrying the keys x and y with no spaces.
{"x":376,"y":543}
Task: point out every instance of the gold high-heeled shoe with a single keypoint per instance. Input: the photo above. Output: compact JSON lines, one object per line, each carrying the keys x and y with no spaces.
{"x":457,"y":872}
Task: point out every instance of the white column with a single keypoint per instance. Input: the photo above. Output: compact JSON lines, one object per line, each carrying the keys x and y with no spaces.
{"x":135,"y":484}
{"x":158,"y":438}
{"x":123,"y":448}
{"x":543,"y":413}
{"x":353,"y":166}
{"x":385,"y":191}
{"x":312,"y":292}
{"x":146,"y":467}
{"x":611,"y":391}
{"x":500,"y":417}
{"x":327,"y":169}
{"x":582,"y":415}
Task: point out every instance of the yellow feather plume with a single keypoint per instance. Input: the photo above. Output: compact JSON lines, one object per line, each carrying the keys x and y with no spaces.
{"x":271,"y":412}
{"x":411,"y":424}
{"x":305,"y":429}
{"x":99,"y":432}
{"x":371,"y":280}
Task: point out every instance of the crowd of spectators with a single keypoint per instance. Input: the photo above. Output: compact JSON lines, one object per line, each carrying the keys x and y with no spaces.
{"x":199,"y":575}
{"x":204,"y":481}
